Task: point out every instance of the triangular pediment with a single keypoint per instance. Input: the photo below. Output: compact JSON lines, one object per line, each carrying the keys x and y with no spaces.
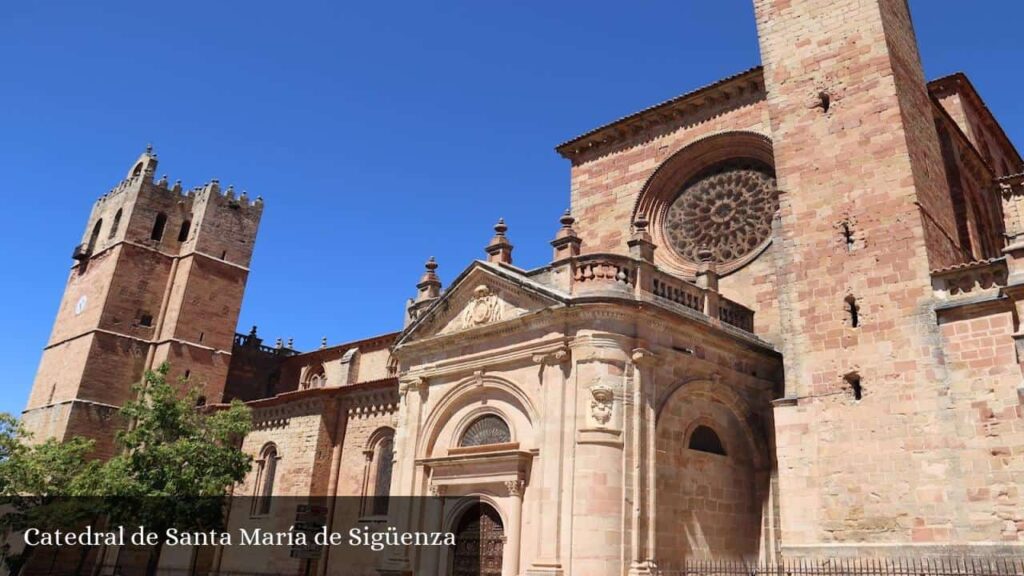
{"x":484,"y":294}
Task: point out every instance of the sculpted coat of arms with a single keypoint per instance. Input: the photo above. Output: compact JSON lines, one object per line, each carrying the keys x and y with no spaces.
{"x":484,"y":308}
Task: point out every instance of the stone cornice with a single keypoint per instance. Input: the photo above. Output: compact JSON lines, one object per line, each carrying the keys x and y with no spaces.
{"x":489,"y":359}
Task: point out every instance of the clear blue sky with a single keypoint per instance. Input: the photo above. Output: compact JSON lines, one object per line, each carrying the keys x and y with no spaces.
{"x":378,"y":133}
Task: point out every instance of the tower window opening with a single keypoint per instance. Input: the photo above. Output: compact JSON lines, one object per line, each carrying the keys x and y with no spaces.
{"x":187,"y":374}
{"x":201,"y":336}
{"x":853,"y":383}
{"x":115,"y":225}
{"x":146,"y":320}
{"x":224,"y":255}
{"x":158,"y":227}
{"x":95,"y":236}
{"x":201,"y":401}
{"x":848,"y":236}
{"x":183,"y":232}
{"x":853,"y":310}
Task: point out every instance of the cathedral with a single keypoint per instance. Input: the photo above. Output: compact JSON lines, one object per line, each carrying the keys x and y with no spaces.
{"x":781,"y":320}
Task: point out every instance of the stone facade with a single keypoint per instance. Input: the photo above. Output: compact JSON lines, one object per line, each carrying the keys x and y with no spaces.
{"x":781,"y":320}
{"x":159,"y":276}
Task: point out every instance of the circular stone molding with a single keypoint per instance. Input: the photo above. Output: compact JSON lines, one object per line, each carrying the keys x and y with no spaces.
{"x":717,"y":194}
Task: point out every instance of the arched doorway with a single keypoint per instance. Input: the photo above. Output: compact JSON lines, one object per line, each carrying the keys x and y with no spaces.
{"x":479,"y":542}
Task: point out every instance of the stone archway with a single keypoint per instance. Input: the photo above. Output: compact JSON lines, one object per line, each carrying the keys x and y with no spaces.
{"x":710,"y":485}
{"x":479,"y":542}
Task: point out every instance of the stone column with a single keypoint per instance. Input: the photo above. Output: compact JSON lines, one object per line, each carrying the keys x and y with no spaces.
{"x":513,"y":532}
{"x":433,"y":556}
{"x":549,"y":481}
{"x":644,"y":466}
{"x":412,"y":392}
{"x":599,"y":483}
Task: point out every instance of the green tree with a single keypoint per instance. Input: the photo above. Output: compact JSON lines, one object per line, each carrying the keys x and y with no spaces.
{"x":175,"y":467}
{"x":177,"y":462}
{"x":40,"y":485}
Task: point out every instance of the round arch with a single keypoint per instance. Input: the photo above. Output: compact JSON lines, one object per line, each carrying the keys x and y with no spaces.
{"x":714,"y":500}
{"x":467,"y":392}
{"x":736,"y":404}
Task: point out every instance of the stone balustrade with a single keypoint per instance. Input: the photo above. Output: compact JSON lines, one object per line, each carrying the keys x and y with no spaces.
{"x":618,"y":275}
{"x":602,"y":271}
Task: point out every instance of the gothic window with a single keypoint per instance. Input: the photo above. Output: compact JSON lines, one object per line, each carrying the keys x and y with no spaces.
{"x":488,"y":429}
{"x":115,"y":225}
{"x":704,"y":439}
{"x":726,"y":210}
{"x":315,"y":378}
{"x":384,"y":457}
{"x":95,"y":235}
{"x":158,"y":227}
{"x":265,"y":480}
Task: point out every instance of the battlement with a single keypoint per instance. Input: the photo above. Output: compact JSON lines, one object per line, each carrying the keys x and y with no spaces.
{"x":165,"y":216}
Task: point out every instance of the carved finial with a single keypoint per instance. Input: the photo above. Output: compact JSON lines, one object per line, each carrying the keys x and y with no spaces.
{"x":277,"y":343}
{"x":429,"y":286}
{"x":163,"y":180}
{"x":500,"y":249}
{"x":640,"y":222}
{"x":253,"y":331}
{"x":567,"y":220}
{"x":291,"y":343}
{"x":566,"y":242}
{"x":640,"y":243}
{"x":707,"y":272}
{"x":149,"y":149}
{"x":323,"y":343}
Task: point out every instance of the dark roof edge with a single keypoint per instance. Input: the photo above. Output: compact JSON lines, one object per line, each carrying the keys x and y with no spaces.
{"x":565,"y":149}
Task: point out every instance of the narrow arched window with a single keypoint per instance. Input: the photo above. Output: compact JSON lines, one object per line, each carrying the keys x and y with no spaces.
{"x":384,"y":456}
{"x":315,"y":378}
{"x":95,"y":235}
{"x":265,"y":480}
{"x":115,"y":225}
{"x":183,"y":232}
{"x":704,"y":439}
{"x":488,"y":429}
{"x":158,"y":227}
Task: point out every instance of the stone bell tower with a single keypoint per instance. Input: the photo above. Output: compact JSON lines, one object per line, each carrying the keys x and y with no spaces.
{"x":158,"y":276}
{"x":863,"y":433}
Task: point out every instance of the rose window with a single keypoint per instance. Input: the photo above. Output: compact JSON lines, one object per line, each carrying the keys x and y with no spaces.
{"x":726,"y":211}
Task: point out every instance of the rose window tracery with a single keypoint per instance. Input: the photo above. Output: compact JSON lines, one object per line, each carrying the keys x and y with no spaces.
{"x":726,"y":210}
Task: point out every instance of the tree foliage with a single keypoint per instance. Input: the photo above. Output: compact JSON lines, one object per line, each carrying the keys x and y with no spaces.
{"x":174,"y":468}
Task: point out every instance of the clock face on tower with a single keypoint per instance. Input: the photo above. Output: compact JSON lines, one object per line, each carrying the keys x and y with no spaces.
{"x":725,"y":211}
{"x":80,"y":305}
